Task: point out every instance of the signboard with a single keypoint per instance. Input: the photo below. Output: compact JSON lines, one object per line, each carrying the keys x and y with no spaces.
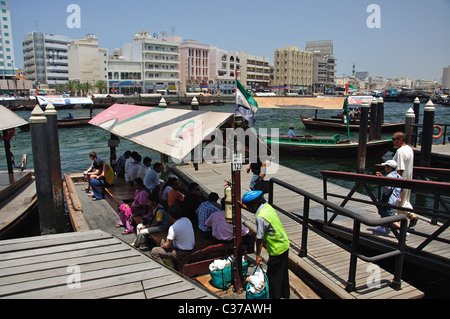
{"x":237,"y":162}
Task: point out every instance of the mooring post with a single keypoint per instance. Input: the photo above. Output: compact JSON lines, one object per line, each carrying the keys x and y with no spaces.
{"x":162,"y":102}
{"x":409,"y":129}
{"x":362,"y":145}
{"x":194,"y":104}
{"x":55,"y":166}
{"x":42,"y":171}
{"x":427,"y":134}
{"x":416,"y":108}
{"x":380,"y":118}
{"x":373,"y":119}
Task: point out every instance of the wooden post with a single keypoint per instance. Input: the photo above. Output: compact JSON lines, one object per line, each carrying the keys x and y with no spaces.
{"x":55,"y":166}
{"x":362,"y":144}
{"x":9,"y":162}
{"x":409,"y":129}
{"x":416,"y":108}
{"x":427,"y":134}
{"x":42,"y":171}
{"x":380,"y":118}
{"x":373,"y":119}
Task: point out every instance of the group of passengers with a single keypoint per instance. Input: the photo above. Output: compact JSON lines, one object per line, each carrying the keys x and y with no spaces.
{"x":160,"y":206}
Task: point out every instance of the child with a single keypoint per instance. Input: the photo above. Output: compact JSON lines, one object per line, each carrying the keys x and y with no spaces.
{"x":391,"y":195}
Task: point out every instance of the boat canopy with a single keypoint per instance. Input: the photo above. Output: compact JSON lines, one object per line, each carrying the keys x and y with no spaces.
{"x":9,"y":119}
{"x":56,"y":100}
{"x":172,"y":132}
{"x":358,"y":99}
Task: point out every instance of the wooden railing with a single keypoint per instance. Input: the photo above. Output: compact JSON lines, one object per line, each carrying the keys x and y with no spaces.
{"x":397,"y":252}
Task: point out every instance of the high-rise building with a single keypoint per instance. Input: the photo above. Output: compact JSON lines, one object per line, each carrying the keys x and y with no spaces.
{"x":6,"y":42}
{"x":324,"y":64}
{"x":446,"y":78}
{"x":45,"y":58}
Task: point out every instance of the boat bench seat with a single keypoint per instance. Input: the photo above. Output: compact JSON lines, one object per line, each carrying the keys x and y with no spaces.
{"x":122,"y":192}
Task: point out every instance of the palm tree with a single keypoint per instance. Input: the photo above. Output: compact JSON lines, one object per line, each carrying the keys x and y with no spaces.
{"x":101,"y":86}
{"x":70,"y":86}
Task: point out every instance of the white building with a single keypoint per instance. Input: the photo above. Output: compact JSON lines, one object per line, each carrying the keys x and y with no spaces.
{"x":87,"y":62}
{"x":255,"y":72}
{"x":224,"y":64}
{"x":160,"y":61}
{"x":6,"y":42}
{"x":45,"y":58}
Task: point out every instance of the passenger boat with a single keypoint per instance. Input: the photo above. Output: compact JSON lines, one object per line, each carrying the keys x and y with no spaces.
{"x":316,"y":123}
{"x":330,"y":146}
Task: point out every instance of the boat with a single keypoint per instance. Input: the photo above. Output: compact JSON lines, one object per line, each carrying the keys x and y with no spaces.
{"x":316,"y":123}
{"x":330,"y":146}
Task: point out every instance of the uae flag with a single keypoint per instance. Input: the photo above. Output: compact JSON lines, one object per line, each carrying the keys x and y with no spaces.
{"x":246,"y":105}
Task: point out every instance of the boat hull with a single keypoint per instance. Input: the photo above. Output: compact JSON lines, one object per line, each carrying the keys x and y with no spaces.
{"x":337,"y":124}
{"x":339,"y":150}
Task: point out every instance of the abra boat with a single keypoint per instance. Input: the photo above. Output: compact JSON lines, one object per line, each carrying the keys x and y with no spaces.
{"x":326,"y":146}
{"x":316,"y":123}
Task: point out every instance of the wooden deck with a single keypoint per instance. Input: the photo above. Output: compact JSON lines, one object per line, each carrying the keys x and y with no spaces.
{"x":326,"y":264}
{"x":86,"y":265}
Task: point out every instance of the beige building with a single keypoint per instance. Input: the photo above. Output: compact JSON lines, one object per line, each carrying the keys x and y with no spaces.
{"x":195,"y":67}
{"x":87,"y":62}
{"x":255,"y":72}
{"x":293,"y":69}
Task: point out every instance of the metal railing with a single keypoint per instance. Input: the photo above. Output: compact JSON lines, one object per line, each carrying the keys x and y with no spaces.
{"x":354,"y":250}
{"x":438,"y":191}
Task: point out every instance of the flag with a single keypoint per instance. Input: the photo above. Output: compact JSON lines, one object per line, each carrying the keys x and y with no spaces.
{"x":246,"y":105}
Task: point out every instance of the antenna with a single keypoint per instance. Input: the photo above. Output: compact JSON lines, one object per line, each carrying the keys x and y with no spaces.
{"x":164,"y":34}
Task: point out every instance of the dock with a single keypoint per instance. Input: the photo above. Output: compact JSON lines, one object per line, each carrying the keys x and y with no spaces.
{"x":86,"y":265}
{"x":326,"y":266}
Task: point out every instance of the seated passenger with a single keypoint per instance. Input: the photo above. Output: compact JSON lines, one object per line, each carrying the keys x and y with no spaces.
{"x":222,"y":231}
{"x":106,"y":178}
{"x":180,"y":239}
{"x":134,"y":212}
{"x":159,"y":222}
{"x":204,"y":211}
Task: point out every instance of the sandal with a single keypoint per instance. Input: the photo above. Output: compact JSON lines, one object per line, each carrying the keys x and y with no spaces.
{"x":86,"y":189}
{"x":125,"y":232}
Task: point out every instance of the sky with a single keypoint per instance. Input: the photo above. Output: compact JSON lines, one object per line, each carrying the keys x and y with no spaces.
{"x":394,"y":38}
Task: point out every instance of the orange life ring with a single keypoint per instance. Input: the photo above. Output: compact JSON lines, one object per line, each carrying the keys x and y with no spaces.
{"x":441,"y":131}
{"x":9,"y":136}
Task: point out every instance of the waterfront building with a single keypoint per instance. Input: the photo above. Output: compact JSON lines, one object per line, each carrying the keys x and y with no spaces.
{"x":324,"y":64}
{"x":87,"y":62}
{"x":195,"y":75}
{"x":255,"y":72}
{"x":6,"y":42}
{"x":124,"y":76}
{"x":160,"y":60}
{"x":45,"y":58}
{"x":446,"y":78}
{"x":224,"y":64}
{"x":293,"y":69}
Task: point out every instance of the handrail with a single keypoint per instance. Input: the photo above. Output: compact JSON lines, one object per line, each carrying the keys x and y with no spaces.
{"x":357,"y":221}
{"x":437,"y":189}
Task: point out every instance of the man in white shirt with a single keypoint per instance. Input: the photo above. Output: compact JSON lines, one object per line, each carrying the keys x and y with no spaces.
{"x":145,"y":168}
{"x":405,"y":162}
{"x":151,"y":179}
{"x":180,"y":239}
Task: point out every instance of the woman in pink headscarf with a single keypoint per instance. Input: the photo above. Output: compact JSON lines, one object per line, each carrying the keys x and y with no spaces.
{"x":136,"y":210}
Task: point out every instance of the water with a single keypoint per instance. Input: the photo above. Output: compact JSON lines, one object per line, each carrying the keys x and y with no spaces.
{"x":76,"y":143}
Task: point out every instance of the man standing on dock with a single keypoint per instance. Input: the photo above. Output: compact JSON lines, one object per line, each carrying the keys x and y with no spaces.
{"x":270,"y":230}
{"x":405,"y":161}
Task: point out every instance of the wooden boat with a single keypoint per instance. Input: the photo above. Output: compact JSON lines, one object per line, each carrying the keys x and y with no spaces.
{"x":315,"y":123}
{"x":18,"y":203}
{"x":325,"y":146}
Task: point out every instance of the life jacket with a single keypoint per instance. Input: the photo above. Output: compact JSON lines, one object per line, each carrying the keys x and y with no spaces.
{"x":277,"y":242}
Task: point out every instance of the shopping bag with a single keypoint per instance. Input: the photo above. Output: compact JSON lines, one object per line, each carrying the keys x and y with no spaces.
{"x":258,"y":285}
